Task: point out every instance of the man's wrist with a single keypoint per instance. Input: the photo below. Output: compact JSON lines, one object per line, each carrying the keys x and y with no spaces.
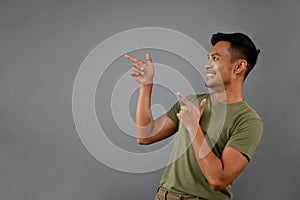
{"x":146,"y":87}
{"x":193,"y":129}
{"x":146,"y":84}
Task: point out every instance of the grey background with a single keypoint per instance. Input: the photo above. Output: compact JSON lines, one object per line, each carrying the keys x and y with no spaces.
{"x":43,"y":43}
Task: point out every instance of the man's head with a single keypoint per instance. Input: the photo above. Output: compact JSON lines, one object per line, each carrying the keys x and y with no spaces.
{"x":234,"y":55}
{"x":241,"y":47}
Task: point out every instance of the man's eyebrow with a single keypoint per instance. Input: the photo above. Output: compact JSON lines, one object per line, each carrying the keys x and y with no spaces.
{"x":213,"y":54}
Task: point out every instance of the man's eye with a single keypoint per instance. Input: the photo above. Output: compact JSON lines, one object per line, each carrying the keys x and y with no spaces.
{"x":215,"y":58}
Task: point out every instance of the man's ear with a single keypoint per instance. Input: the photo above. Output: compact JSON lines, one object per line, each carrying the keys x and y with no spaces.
{"x":240,"y":67}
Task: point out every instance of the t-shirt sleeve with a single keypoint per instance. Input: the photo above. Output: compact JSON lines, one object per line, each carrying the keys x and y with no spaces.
{"x":172,"y":113}
{"x":247,"y":137}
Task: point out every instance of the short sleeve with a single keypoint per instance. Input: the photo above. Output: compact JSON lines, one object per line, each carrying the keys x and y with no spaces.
{"x":172,"y":113}
{"x":247,"y":137}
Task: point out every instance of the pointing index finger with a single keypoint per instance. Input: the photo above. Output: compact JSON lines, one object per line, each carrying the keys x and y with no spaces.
{"x":183,"y":98}
{"x":133,"y":59}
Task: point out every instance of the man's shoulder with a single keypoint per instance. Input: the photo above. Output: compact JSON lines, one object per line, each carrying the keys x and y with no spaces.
{"x":250,"y":112}
{"x":247,"y":112}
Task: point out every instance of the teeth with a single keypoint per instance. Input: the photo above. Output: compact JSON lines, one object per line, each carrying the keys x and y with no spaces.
{"x":210,"y":75}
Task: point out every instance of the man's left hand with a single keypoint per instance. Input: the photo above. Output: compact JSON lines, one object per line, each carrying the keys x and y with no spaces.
{"x":189,"y":114}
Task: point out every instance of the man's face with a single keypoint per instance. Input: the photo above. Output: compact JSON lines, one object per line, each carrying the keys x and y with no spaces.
{"x":219,"y":66}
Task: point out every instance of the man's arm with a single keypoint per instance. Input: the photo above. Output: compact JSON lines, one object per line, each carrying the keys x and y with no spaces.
{"x":148,"y":130}
{"x":219,"y":172}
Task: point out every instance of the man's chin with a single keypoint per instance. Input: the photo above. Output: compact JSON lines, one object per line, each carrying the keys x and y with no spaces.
{"x":208,"y":85}
{"x":214,"y":85}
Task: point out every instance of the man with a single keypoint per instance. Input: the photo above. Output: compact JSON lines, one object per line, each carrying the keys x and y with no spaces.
{"x":218,"y":133}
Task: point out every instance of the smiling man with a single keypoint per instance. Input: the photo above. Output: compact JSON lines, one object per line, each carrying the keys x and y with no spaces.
{"x":217,"y":133}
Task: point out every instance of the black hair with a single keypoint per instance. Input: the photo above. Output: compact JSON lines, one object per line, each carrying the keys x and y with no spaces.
{"x":241,"y":47}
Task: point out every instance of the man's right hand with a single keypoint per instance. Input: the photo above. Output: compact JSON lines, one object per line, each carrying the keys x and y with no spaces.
{"x":141,"y":72}
{"x":148,"y":131}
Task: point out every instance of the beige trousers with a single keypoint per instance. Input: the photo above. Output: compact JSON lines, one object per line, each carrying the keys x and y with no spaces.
{"x":163,"y":194}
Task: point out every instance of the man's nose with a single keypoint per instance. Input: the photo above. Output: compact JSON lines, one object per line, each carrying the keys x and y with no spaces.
{"x":208,"y":64}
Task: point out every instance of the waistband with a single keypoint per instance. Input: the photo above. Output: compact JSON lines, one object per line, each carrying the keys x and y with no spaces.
{"x":173,"y":196}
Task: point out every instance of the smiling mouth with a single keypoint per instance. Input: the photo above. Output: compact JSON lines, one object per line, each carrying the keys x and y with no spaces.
{"x":210,"y":74}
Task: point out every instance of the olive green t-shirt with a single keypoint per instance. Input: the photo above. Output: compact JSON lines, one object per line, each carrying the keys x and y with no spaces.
{"x":234,"y":125}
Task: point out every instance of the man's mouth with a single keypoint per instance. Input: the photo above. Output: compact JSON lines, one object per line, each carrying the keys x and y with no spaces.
{"x":210,"y":74}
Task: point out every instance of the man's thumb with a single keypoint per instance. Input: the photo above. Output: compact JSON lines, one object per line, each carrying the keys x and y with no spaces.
{"x":148,"y":58}
{"x":202,"y":104}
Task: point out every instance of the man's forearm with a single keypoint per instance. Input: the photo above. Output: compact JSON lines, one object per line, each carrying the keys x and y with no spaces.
{"x":144,"y":118}
{"x":210,"y":164}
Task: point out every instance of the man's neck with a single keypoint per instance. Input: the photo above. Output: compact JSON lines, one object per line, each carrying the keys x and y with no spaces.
{"x":228,"y":95}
